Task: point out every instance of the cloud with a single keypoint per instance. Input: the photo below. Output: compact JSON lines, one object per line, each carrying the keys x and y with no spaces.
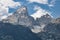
{"x":9,"y":3}
{"x":5,"y":5}
{"x":39,"y":1}
{"x":39,"y":12}
{"x":52,"y":3}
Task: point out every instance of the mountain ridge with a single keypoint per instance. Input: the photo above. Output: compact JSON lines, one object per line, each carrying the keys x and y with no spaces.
{"x":44,"y":28}
{"x":21,"y":17}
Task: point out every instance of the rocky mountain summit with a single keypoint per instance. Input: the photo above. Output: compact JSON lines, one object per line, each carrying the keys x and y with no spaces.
{"x":45,"y":19}
{"x":45,"y":27}
{"x":20,"y":17}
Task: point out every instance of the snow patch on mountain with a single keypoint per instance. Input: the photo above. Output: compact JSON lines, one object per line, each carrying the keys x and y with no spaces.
{"x":39,"y":12}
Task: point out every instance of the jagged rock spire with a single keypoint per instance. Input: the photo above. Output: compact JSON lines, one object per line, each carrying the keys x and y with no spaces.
{"x":22,"y":10}
{"x":21,"y":17}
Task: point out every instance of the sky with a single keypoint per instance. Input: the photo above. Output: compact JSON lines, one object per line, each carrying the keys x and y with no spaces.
{"x":36,"y":8}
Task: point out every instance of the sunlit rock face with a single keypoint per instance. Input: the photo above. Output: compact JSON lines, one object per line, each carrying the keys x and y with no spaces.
{"x":22,"y":10}
{"x":21,"y":17}
{"x":37,"y":29}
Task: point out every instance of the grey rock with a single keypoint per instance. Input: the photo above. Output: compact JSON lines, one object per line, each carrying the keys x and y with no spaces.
{"x":45,"y":19}
{"x":51,"y":32}
{"x":20,"y":17}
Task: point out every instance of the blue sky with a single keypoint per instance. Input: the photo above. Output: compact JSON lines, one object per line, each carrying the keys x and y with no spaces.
{"x":49,"y":6}
{"x":55,"y":9}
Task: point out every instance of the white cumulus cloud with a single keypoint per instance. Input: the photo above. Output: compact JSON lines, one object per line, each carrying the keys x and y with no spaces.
{"x":39,"y":1}
{"x":5,"y":5}
{"x":39,"y":12}
{"x":52,"y":3}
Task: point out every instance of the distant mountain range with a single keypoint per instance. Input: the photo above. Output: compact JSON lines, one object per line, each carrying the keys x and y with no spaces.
{"x":44,"y":27}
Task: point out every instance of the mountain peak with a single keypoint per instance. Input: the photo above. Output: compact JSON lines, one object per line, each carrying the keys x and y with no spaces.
{"x":22,"y":9}
{"x":20,"y":17}
{"x":46,"y":16}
